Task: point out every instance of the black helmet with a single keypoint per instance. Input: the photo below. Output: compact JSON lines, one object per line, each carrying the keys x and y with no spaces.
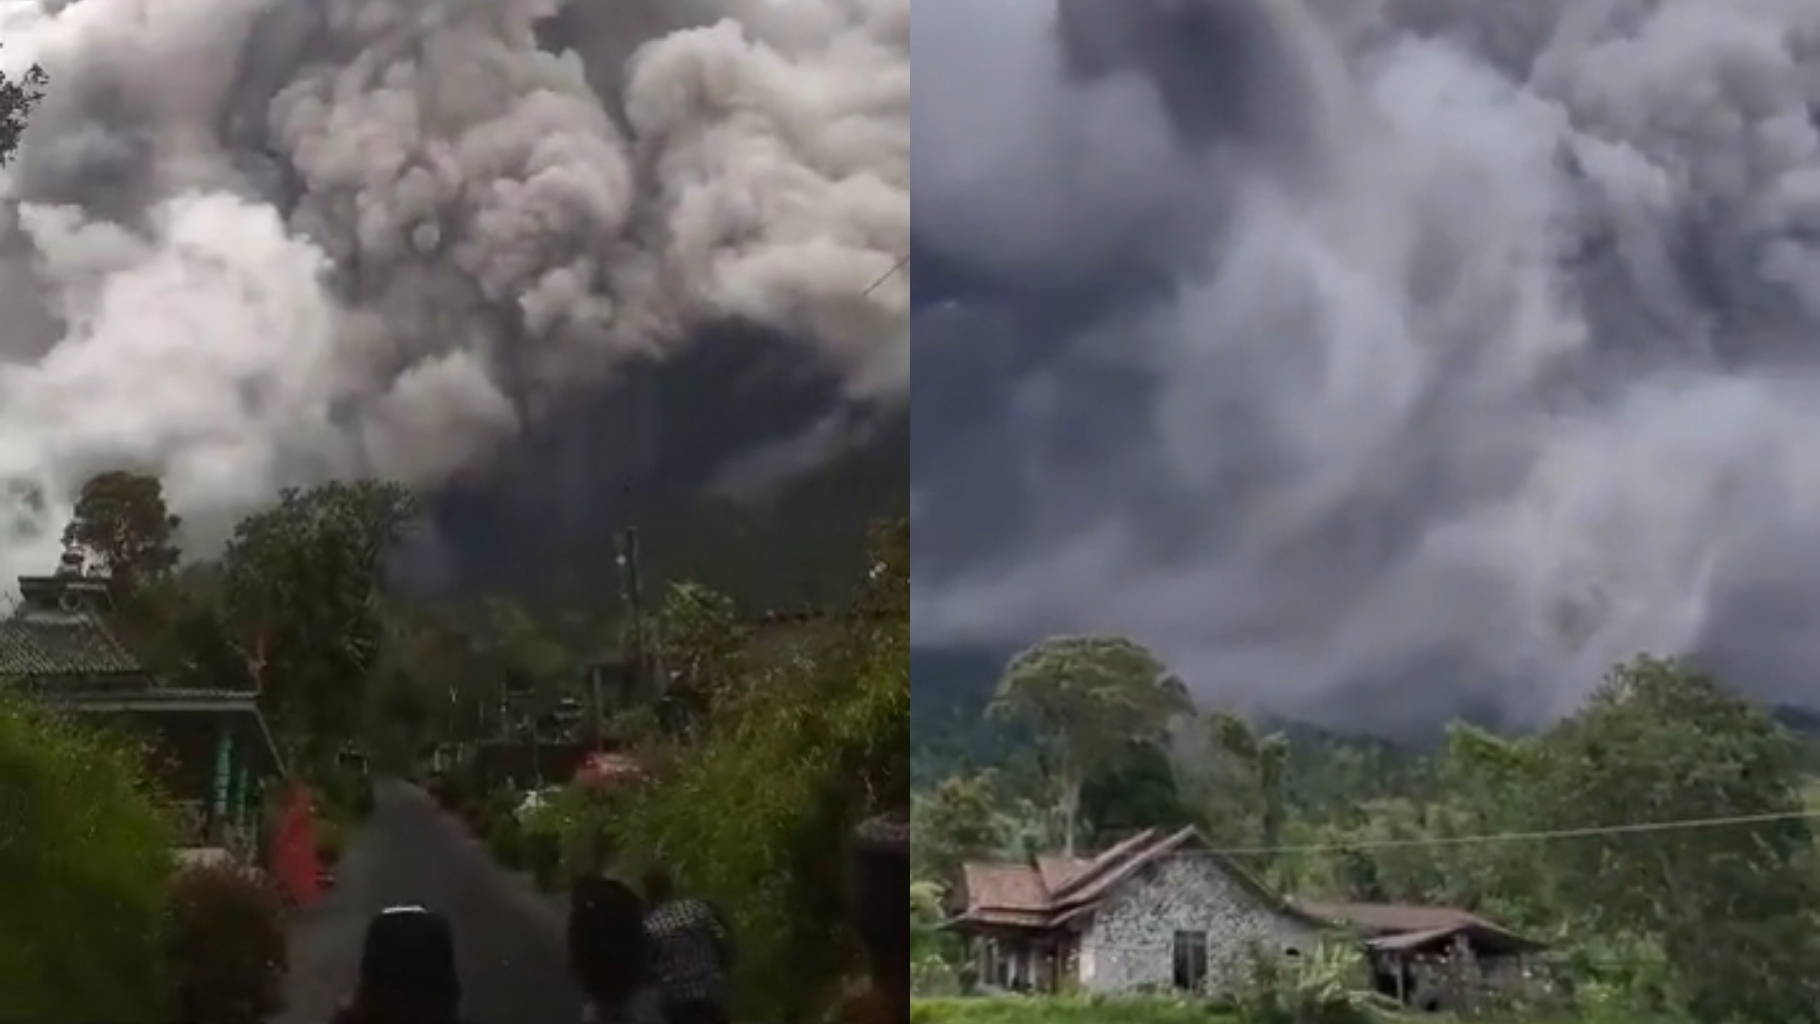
{"x":408,"y":957}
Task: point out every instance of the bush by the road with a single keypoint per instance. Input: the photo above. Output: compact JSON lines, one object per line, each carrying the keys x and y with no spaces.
{"x":506,"y":840}
{"x":84,"y":871}
{"x":224,"y":947}
{"x":756,"y":817}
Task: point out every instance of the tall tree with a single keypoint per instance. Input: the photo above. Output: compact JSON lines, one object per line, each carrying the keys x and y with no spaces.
{"x":1086,"y":698}
{"x":305,"y":582}
{"x":1248,"y":784}
{"x":1733,"y":905}
{"x":123,"y":523}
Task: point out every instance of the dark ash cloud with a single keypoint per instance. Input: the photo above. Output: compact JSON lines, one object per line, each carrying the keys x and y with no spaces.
{"x":1373,"y":362}
{"x":252,"y":243}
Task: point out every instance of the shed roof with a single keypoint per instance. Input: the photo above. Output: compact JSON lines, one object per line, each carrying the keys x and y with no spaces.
{"x":1395,"y":927}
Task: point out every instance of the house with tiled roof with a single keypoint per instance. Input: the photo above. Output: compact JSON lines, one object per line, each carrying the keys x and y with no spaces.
{"x":1156,"y":911}
{"x":1162,"y":911}
{"x":57,"y":647}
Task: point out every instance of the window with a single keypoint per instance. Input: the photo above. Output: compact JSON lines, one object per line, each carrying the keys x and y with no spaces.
{"x":1191,"y":960}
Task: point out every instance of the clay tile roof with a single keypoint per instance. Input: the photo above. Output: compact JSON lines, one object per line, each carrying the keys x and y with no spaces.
{"x":75,"y":644}
{"x":1013,"y":887}
{"x":1116,"y":856}
{"x":1057,"y":871}
{"x":1122,"y":861}
{"x":1056,"y":889}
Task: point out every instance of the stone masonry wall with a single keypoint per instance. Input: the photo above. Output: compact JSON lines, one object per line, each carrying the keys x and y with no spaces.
{"x":1130,"y":945}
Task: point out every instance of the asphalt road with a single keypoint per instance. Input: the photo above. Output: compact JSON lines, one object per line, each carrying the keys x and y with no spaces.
{"x":508,"y":938}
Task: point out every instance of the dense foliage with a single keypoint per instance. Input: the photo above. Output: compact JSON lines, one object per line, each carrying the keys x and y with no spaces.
{"x":1715,"y":919}
{"x":812,"y":739}
{"x":84,"y":864}
{"x":224,"y":947}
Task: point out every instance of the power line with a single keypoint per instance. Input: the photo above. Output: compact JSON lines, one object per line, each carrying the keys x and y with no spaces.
{"x":1541,"y":835}
{"x":902,"y":262}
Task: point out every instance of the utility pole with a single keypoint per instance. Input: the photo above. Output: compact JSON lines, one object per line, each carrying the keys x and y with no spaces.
{"x":595,"y":698}
{"x":631,"y":587}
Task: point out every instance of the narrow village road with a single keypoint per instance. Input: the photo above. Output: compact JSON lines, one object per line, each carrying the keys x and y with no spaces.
{"x":509,"y":944}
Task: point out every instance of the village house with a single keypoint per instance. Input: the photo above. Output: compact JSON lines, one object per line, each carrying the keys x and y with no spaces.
{"x":1165,"y":911}
{"x":1157,"y":911}
{"x":1435,"y":958}
{"x":216,"y":751}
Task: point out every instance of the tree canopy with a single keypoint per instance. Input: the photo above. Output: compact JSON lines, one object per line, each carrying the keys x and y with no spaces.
{"x":304,"y":582}
{"x":1087,"y":698}
{"x":124,"y":525}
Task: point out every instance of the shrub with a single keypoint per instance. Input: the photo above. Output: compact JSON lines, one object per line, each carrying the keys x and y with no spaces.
{"x":225,"y":955}
{"x":1064,"y":1010}
{"x":84,"y":869}
{"x":572,"y":832}
{"x":584,"y":818}
{"x":756,"y":816}
{"x":506,"y":839}
{"x":1325,"y":988}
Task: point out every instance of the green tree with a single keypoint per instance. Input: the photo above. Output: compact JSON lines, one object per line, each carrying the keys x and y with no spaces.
{"x":1733,"y":906}
{"x":956,"y":820}
{"x":1488,"y":785}
{"x":520,"y":651}
{"x":700,"y":633}
{"x":705,"y":646}
{"x":756,"y":816}
{"x":1137,"y":791}
{"x":1248,"y":786}
{"x":1086,"y":698}
{"x":178,"y":627}
{"x":305,"y":583}
{"x":124,"y":525}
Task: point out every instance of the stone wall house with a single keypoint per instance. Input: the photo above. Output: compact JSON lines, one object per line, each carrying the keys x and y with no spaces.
{"x":1155,"y":912}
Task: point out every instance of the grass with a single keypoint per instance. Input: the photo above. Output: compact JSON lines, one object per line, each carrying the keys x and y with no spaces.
{"x":1109,"y":1010}
{"x":1086,"y":1010}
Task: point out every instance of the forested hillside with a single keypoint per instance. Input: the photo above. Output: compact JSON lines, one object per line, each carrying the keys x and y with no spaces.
{"x":1658,"y":838}
{"x":795,"y":544}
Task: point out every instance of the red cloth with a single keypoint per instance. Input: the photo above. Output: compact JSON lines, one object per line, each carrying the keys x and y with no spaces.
{"x":606,"y":769}
{"x":294,"y":861}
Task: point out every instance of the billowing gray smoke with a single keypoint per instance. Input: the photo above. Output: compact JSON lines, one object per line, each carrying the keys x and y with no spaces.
{"x":248,"y":243}
{"x":1375,"y":362}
